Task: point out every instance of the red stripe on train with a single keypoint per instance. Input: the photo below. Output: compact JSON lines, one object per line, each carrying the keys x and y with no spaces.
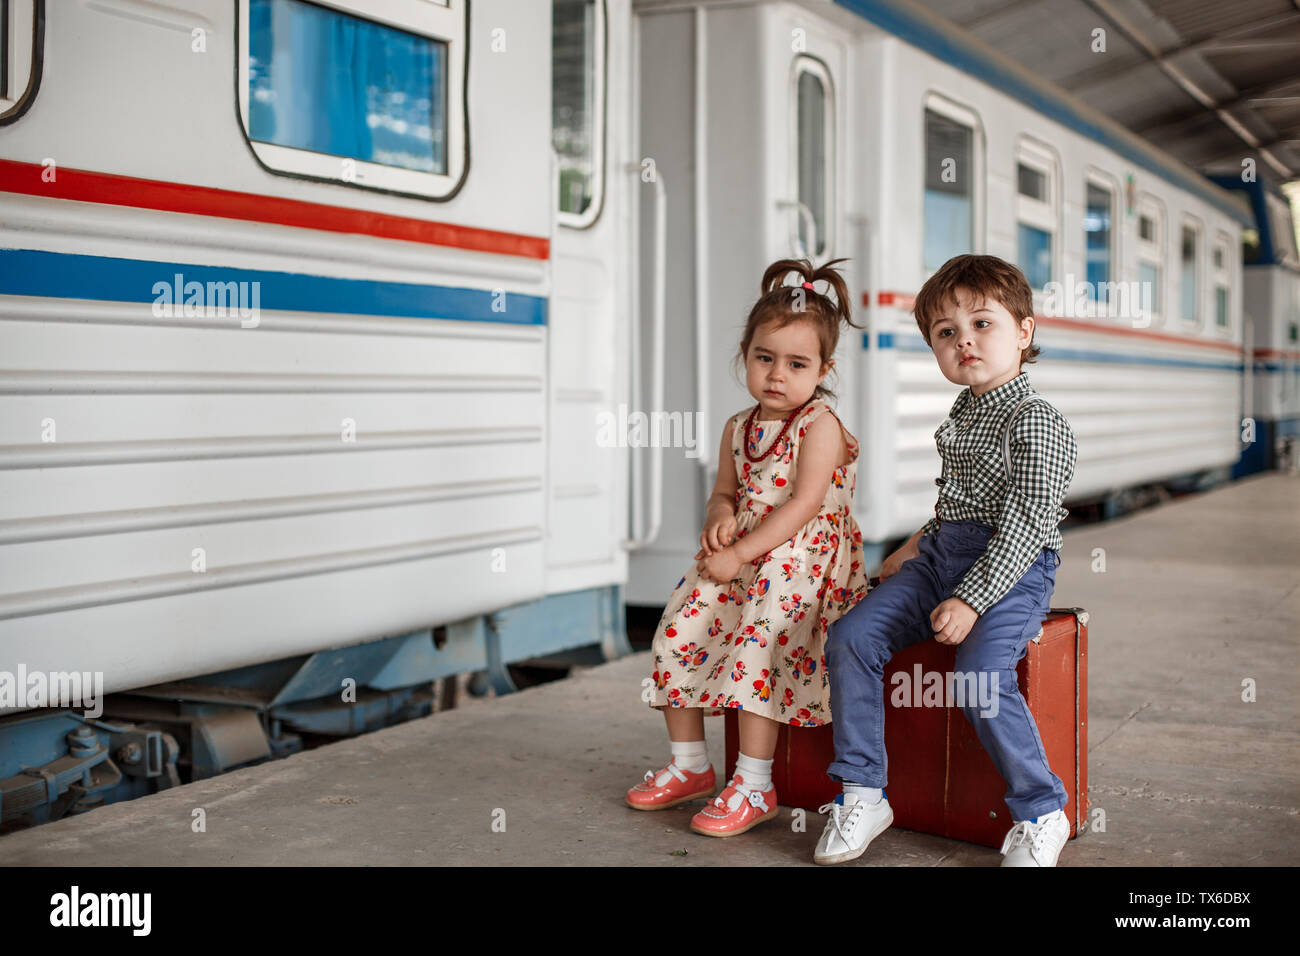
{"x":83,"y":185}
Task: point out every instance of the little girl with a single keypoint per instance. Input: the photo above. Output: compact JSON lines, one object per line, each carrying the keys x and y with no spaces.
{"x":780,"y":559}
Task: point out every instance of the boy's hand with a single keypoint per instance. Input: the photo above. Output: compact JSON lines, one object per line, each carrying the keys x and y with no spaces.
{"x":722,"y":567}
{"x":907,"y":552}
{"x":952,"y":621}
{"x":718,"y":534}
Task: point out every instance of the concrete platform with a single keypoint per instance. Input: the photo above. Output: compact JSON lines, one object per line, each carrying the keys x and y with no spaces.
{"x":1196,"y":596}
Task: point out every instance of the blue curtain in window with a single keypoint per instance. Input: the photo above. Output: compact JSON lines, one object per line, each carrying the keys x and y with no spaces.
{"x":1034,"y":252}
{"x":948,"y":207}
{"x":327,"y":82}
{"x":1096,"y":225}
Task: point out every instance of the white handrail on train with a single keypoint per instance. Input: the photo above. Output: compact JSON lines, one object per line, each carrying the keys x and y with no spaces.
{"x":703,"y":357}
{"x":797,"y":248}
{"x":1247,"y":368}
{"x":866,"y":269}
{"x":657,"y":357}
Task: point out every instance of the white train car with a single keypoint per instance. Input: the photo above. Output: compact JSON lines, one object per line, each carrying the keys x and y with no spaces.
{"x":1271,"y":308}
{"x":905,"y":142}
{"x":298,"y":357}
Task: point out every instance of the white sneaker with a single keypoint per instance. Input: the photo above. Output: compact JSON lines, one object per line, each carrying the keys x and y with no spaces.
{"x":852,"y":825}
{"x":1036,"y":844}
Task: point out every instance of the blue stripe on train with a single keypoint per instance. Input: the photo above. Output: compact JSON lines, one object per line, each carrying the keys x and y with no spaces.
{"x":70,"y":276}
{"x":912,"y":343}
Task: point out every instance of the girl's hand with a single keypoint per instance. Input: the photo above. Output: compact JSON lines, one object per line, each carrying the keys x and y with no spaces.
{"x":718,"y":534}
{"x":907,"y":552}
{"x":721,"y":567}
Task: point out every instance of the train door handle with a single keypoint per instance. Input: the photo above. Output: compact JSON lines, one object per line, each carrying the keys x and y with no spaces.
{"x":797,"y":248}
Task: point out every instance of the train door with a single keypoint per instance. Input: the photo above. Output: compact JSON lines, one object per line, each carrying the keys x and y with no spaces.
{"x":816,"y":207}
{"x":739,"y":109}
{"x":826,"y":203}
{"x":589,"y":261}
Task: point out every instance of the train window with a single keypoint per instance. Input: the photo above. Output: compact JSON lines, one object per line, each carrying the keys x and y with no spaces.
{"x":1098,"y":214}
{"x":813,"y":152}
{"x":1031,"y":182}
{"x":19,"y":57}
{"x":1034,"y":248}
{"x":1149,"y":283}
{"x":1151,"y":256}
{"x":949,"y":211}
{"x":1221,"y":280}
{"x":1189,"y":306}
{"x":578,"y":107}
{"x":1251,"y":249}
{"x":1036,"y":213}
{"x":365,"y":92}
{"x":1281,"y":230}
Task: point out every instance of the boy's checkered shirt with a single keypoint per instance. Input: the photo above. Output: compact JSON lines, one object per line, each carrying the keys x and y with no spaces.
{"x":974,"y":486}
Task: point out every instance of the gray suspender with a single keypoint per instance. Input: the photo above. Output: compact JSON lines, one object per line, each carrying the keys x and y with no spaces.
{"x":1006,"y":432}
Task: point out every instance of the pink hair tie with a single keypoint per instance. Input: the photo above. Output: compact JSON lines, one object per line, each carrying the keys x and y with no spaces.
{"x":808,"y":285}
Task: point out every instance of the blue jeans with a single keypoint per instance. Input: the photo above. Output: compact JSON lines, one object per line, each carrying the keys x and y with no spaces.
{"x":897,"y":614}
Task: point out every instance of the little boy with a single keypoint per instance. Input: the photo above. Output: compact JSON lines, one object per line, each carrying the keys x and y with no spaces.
{"x":980,"y":574}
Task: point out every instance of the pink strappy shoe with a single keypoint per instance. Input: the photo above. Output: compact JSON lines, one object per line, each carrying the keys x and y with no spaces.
{"x":737,"y":808}
{"x":670,"y":786}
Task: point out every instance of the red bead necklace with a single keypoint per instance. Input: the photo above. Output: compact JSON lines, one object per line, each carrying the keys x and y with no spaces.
{"x":749,"y":425}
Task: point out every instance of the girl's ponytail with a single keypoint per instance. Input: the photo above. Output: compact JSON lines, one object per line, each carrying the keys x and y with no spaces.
{"x":831,"y":275}
{"x":836,"y":304}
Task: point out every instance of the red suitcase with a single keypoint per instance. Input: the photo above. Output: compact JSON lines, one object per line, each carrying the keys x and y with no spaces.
{"x":941,"y":780}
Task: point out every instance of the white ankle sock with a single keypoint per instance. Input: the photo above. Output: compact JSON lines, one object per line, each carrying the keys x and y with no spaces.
{"x":865,"y":794}
{"x":757,"y":773}
{"x":690,"y":755}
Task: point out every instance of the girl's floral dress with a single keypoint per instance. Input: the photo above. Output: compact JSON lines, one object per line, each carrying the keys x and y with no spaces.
{"x":758,"y":642}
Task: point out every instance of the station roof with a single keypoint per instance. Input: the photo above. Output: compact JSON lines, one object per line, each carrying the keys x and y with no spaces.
{"x":1208,"y":81}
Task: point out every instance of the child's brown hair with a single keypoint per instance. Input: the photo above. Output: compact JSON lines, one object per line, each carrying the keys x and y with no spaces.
{"x":984,"y":277}
{"x":785,"y":305}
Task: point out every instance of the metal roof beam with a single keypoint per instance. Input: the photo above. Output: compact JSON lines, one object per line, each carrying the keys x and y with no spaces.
{"x":1187,"y":84}
{"x":994,"y":13}
{"x":1104,"y":74}
{"x":1283,"y":138}
{"x":1246,"y":46}
{"x":1243,"y":97}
